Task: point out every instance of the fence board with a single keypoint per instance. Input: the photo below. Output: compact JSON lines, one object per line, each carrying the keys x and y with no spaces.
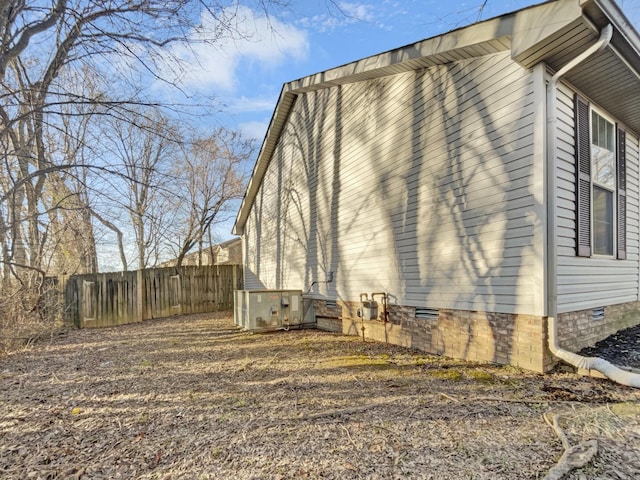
{"x":109,"y":299}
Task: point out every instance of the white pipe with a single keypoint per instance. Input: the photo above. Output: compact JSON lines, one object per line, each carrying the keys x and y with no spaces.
{"x":601,"y":365}
{"x":589,"y":363}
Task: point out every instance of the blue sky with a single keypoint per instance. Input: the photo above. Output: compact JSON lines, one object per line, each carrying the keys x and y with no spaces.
{"x":246,"y":75}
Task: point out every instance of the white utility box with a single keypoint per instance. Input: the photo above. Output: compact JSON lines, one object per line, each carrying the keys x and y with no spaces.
{"x":263,"y":310}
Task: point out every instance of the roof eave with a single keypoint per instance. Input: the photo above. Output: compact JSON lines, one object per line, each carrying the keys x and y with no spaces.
{"x":626,"y":38}
{"x":528,"y":32}
{"x":278,"y":118}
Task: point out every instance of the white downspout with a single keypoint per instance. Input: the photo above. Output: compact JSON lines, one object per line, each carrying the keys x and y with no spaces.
{"x":589,"y":363}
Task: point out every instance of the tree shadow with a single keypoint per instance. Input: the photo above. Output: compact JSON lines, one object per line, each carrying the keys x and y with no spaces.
{"x":421,"y":185}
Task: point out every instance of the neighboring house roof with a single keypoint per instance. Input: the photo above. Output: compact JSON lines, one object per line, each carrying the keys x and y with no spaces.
{"x":234,"y":242}
{"x":229,"y":252}
{"x":553,"y":32}
{"x":226,"y":253}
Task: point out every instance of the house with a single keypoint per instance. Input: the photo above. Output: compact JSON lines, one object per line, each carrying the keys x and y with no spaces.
{"x":229,"y":252}
{"x":225,"y":253}
{"x":484,"y":182}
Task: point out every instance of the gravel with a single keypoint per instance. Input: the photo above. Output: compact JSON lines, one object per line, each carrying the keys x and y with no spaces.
{"x":621,"y":348}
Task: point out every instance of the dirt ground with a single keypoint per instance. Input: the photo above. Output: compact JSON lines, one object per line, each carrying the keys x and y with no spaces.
{"x":196,"y":398}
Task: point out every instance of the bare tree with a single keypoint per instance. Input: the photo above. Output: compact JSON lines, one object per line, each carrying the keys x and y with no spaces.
{"x":212,"y":172}
{"x":38,"y":43}
{"x":145,"y":145}
{"x":63,"y":65}
{"x":125,"y":42}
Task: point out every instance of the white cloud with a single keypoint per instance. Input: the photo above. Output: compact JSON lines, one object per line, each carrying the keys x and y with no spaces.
{"x":254,"y":130}
{"x":357,"y":11}
{"x":347,"y":14}
{"x":245,"y":104}
{"x":257,"y":39}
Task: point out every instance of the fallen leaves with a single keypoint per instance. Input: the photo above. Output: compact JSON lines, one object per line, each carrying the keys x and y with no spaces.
{"x":193,"y":397}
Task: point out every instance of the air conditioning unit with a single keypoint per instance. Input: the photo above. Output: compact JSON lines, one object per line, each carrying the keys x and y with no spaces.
{"x":264,"y":310}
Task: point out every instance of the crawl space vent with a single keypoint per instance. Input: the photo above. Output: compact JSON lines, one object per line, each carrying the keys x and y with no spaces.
{"x":427,"y":313}
{"x":597,"y":313}
{"x":331,"y":304}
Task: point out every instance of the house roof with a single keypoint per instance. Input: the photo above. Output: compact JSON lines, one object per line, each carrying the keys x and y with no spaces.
{"x":553,"y":32}
{"x":227,"y":244}
{"x":230,"y":243}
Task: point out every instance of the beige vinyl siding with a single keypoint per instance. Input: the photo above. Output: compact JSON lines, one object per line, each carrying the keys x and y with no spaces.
{"x":592,"y":282}
{"x":277,"y":227}
{"x":418,"y":184}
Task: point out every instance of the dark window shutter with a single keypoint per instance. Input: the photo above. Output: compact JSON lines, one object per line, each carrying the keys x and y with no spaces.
{"x":621,"y":176}
{"x":583,"y":177}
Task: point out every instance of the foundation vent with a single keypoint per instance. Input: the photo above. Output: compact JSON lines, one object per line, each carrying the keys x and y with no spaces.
{"x":331,"y":304}
{"x":597,"y":313}
{"x":428,"y":313}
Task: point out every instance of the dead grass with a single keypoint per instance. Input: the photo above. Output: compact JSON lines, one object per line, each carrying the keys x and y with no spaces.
{"x":195,"y":398}
{"x":28,"y":315}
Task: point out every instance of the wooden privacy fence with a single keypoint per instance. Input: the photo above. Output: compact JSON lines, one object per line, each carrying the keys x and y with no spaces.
{"x":108,"y":299}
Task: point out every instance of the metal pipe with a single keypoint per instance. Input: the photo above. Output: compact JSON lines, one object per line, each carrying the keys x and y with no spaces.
{"x":361,"y":313}
{"x":385,"y":312}
{"x":589,"y":363}
{"x":329,"y":279}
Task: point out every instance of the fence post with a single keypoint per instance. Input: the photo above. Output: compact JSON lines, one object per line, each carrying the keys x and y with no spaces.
{"x":139,"y":295}
{"x":234,"y":287}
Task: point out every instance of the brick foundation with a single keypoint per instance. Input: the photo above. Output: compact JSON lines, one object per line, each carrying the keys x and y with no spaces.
{"x":519,"y":340}
{"x":577,"y":330}
{"x":327,"y":318}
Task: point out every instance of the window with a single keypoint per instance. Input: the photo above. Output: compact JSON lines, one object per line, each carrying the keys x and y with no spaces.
{"x":602,"y":221}
{"x":603,"y":171}
{"x":600,"y":183}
